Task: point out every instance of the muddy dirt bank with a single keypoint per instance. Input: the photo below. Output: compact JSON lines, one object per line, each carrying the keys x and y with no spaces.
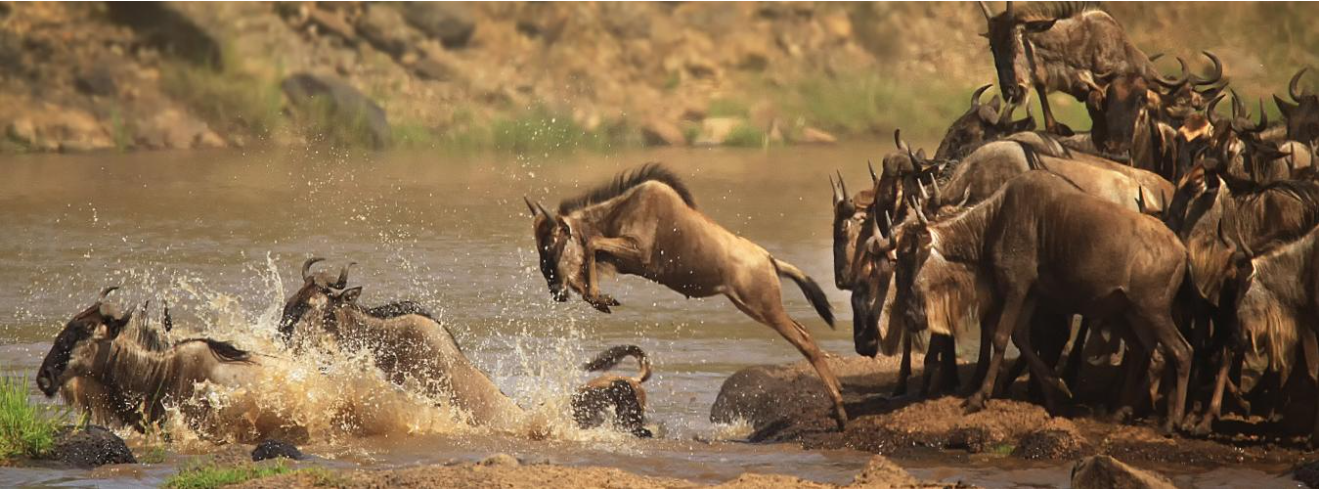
{"x":938,"y":429}
{"x":505,"y":471}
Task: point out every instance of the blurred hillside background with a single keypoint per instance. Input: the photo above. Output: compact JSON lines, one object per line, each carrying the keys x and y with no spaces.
{"x":539,"y":77}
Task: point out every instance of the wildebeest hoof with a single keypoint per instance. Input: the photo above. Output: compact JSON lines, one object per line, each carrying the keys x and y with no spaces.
{"x":1121,"y":415}
{"x":900,"y":390}
{"x":840,"y":417}
{"x":1203,"y":428}
{"x":974,"y":404}
{"x":603,"y":302}
{"x":1169,"y":428}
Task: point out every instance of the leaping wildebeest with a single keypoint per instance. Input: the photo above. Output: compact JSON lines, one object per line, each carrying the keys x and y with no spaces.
{"x":1040,"y":242}
{"x":645,"y":223}
{"x":1060,"y":46}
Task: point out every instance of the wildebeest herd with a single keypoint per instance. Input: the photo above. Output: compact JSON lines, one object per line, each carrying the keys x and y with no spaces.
{"x":1184,"y":236}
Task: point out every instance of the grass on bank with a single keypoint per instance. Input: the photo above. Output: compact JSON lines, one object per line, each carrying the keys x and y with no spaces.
{"x":209,"y":476}
{"x":26,"y":429}
{"x":229,"y":100}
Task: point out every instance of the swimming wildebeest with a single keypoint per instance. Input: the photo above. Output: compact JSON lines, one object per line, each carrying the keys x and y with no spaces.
{"x":116,"y":378}
{"x":645,"y":223}
{"x":405,"y":343}
{"x":1276,"y":307}
{"x":1302,"y":113}
{"x":1060,"y":46}
{"x":1041,"y":242}
{"x":622,"y":394}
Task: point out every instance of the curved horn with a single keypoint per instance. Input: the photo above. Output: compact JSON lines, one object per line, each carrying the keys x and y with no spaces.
{"x":975,"y":96}
{"x":306,"y":265}
{"x":543,"y":210}
{"x":1294,"y":87}
{"x":1238,"y":107}
{"x":984,"y":9}
{"x":1209,"y":110}
{"x":921,"y":185}
{"x":1217,"y":74}
{"x":1263,"y":118}
{"x":874,"y":178}
{"x":1174,"y":82}
{"x":106,"y":291}
{"x":1155,"y":56}
{"x":920,"y":214}
{"x":897,"y":140}
{"x":343,"y":276}
{"x":935,"y":196}
{"x":878,"y":232}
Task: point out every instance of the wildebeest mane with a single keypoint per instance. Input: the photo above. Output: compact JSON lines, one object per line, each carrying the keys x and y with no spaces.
{"x":223,"y":350}
{"x":397,"y":309}
{"x":1032,"y":11}
{"x":626,"y":181}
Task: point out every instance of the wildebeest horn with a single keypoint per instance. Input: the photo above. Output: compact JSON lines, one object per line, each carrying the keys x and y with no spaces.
{"x":966,"y":197}
{"x":105,"y":292}
{"x":874,"y":178}
{"x":543,"y":210}
{"x":1218,"y":71}
{"x":1263,"y":118}
{"x":878,"y":231}
{"x":1140,"y":200}
{"x":921,"y":185}
{"x":842,"y":187}
{"x":920,"y":214}
{"x":975,"y":96}
{"x":531,"y":207}
{"x":1294,"y":87}
{"x":1008,"y":10}
{"x":1156,"y":56}
{"x":984,"y":9}
{"x":306,"y":265}
{"x":897,"y":140}
{"x":1174,"y":82}
{"x":1209,"y":110}
{"x":833,"y":189}
{"x":935,"y":196}
{"x":343,"y":276}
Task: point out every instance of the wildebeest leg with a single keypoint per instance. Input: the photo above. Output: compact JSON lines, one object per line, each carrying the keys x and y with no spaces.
{"x":988,"y":325}
{"x":1006,"y":324}
{"x":621,"y":249}
{"x":904,"y":368}
{"x":937,"y":365}
{"x":1075,"y":358}
{"x":775,"y":317}
{"x":1178,"y":352}
{"x":1216,"y":399}
{"x":948,"y":371}
{"x":1039,"y":371}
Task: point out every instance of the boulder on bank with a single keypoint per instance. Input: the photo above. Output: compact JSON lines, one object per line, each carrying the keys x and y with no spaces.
{"x":269,"y":449}
{"x":451,"y":23}
{"x":1105,"y":472}
{"x":90,"y":446}
{"x":384,"y":27}
{"x":339,"y":104}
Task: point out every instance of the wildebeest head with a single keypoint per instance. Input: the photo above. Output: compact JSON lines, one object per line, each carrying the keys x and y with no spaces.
{"x":312,"y":297}
{"x":98,"y":321}
{"x":1262,"y":317}
{"x":1302,"y":113}
{"x":1007,"y":40}
{"x":849,"y":217}
{"x":560,"y":249}
{"x":873,"y":270}
{"x":1118,"y":110}
{"x":982,"y":123}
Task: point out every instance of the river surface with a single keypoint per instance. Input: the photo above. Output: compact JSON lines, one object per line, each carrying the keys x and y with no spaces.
{"x":221,"y":235}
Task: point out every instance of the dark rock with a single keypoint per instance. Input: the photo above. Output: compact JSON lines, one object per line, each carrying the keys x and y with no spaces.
{"x":173,"y":27}
{"x":332,"y":23}
{"x":91,"y":446}
{"x":346,"y":106}
{"x":1049,"y":444}
{"x":974,"y":439}
{"x":1308,"y":474}
{"x":96,"y":81}
{"x":1103,"y":471}
{"x":432,"y":68}
{"x":269,"y":449}
{"x":451,"y":23}
{"x":383,"y":26}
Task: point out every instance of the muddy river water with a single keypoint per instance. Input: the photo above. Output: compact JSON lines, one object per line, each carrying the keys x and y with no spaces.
{"x":221,"y":236}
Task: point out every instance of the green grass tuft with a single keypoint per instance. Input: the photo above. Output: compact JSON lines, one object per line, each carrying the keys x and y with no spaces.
{"x":727,"y":107}
{"x":746,"y":136}
{"x":26,"y":429}
{"x":230,"y":101}
{"x":212,"y":476}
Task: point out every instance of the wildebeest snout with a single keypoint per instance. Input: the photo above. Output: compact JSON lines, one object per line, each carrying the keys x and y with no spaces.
{"x":46,"y":382}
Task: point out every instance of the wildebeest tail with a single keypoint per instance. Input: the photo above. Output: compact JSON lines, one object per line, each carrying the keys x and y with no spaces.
{"x":609,"y":359}
{"x":813,"y":292}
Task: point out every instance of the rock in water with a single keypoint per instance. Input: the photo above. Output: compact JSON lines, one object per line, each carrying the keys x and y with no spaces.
{"x":344,"y":105}
{"x":92,"y":446}
{"x":500,"y":460}
{"x":880,"y":471}
{"x":1105,"y":472}
{"x":269,"y":449}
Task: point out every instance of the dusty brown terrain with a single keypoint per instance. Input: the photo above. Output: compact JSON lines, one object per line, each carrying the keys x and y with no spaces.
{"x":939,"y":428}
{"x":508,"y":473}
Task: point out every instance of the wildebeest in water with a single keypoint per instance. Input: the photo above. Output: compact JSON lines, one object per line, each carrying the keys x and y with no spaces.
{"x":645,"y":223}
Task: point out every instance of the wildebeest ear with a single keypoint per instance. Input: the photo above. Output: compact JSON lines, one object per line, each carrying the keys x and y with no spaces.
{"x":350,"y":295}
{"x":988,"y":114}
{"x":1285,"y":107}
{"x":1040,"y":25}
{"x":116,"y":325}
{"x":1095,"y":100}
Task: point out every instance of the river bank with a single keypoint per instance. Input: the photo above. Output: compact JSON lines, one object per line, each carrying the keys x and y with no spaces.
{"x":533,"y":78}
